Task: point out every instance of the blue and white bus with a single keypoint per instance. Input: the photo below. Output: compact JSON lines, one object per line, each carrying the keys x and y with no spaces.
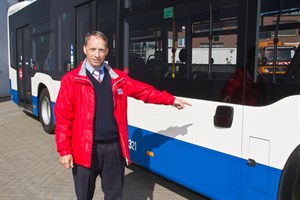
{"x":242,"y":145}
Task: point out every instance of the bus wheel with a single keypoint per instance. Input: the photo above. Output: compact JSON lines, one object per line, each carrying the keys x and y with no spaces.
{"x":290,"y":179}
{"x":45,"y":111}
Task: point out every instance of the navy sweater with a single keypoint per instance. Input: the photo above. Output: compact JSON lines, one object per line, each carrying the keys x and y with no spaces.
{"x":105,"y":125}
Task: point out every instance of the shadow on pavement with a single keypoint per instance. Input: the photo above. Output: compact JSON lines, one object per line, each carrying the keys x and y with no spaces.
{"x":139,"y":185}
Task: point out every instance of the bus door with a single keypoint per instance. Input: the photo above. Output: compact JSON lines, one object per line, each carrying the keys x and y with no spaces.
{"x":24,"y":67}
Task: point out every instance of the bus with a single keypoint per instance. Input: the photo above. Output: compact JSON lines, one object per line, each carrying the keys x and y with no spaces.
{"x":284,"y":55}
{"x":243,"y":148}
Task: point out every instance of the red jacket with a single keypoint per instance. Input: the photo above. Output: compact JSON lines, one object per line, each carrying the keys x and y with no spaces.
{"x":75,"y":107}
{"x":234,"y":88}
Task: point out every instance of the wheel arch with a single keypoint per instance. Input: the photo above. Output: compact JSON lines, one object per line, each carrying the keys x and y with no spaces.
{"x":48,"y":126}
{"x":40,"y":89}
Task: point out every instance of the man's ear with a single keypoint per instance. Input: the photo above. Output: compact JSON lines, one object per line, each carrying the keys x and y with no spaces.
{"x":84,"y":50}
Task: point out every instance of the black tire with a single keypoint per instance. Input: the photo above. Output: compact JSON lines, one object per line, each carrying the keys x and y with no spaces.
{"x":290,"y":180}
{"x":45,"y":112}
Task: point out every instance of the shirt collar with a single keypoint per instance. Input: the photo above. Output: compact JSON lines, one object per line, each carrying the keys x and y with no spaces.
{"x":91,"y":69}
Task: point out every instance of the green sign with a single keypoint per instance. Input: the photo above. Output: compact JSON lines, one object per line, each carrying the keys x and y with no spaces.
{"x":168,"y":12}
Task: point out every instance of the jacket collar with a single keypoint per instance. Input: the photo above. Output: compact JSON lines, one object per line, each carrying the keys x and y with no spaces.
{"x":112,"y":73}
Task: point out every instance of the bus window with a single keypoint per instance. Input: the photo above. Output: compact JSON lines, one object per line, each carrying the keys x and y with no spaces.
{"x":279,"y":35}
{"x":146,"y":56}
{"x":85,"y":21}
{"x":106,"y":16}
{"x":178,"y":48}
{"x":43,"y":52}
{"x":64,"y":29}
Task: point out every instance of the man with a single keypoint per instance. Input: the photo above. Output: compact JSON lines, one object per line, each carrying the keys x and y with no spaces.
{"x":241,"y":88}
{"x":91,"y":120}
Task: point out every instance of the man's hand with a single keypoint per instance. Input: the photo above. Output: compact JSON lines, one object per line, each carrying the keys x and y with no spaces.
{"x":67,"y":161}
{"x":227,"y":99}
{"x":180,"y":104}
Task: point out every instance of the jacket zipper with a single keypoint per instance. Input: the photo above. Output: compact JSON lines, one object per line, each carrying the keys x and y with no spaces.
{"x":88,"y":81}
{"x":126,"y":158}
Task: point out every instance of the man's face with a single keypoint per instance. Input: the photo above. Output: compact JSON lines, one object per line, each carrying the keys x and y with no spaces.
{"x":95,"y":51}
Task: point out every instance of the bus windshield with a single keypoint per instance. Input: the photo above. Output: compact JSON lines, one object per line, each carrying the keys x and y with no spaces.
{"x":283,"y":53}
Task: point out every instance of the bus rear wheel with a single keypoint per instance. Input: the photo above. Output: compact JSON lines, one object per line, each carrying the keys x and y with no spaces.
{"x":45,"y":112}
{"x":290,"y":180}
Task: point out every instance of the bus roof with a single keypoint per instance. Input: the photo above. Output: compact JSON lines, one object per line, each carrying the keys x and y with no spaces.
{"x":18,"y":6}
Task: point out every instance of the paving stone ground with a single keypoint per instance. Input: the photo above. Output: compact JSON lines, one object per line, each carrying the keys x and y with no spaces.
{"x":29,"y":169}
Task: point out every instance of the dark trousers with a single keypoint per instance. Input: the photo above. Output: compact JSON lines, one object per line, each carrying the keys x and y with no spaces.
{"x":108,"y":162}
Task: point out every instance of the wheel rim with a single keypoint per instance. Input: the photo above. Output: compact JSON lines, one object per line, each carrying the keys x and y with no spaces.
{"x":46,"y":111}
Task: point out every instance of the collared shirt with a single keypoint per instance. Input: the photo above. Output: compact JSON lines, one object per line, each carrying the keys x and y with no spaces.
{"x":91,"y":69}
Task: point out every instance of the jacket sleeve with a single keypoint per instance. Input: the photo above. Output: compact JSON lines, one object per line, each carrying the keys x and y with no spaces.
{"x":147,"y":93}
{"x":64,"y":114}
